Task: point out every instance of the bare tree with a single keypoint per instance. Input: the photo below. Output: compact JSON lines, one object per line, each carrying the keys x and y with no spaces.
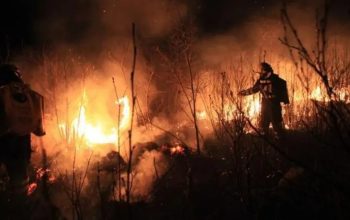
{"x":180,"y":61}
{"x":327,"y":67}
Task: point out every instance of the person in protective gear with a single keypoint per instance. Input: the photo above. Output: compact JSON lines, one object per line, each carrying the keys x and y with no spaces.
{"x":14,"y":150}
{"x":274,"y":91}
{"x":20,"y":110}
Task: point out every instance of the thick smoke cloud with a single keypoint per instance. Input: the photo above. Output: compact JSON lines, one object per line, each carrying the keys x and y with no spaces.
{"x":249,"y":29}
{"x":95,"y":25}
{"x":92,"y":25}
{"x":227,"y":30}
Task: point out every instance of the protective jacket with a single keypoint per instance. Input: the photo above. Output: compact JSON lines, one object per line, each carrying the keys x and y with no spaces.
{"x":274,"y":91}
{"x":271,"y":87}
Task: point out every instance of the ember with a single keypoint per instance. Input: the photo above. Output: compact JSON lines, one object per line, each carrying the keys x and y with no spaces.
{"x":31,"y":188}
{"x":40,"y":173}
{"x":177,"y":150}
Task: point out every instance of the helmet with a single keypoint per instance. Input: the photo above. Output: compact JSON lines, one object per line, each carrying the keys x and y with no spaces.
{"x":9,"y":73}
{"x":265,"y":67}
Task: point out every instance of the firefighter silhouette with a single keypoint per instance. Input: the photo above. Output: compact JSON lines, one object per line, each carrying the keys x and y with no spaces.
{"x":274,"y":91}
{"x":20,"y":115}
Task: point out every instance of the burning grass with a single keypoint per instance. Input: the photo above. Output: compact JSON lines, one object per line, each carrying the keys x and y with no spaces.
{"x":87,"y":140}
{"x":88,"y":166}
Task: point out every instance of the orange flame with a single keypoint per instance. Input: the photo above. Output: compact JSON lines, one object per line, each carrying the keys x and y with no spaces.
{"x":31,"y":188}
{"x":177,"y":150}
{"x":318,"y":94}
{"x":253,"y":107}
{"x":93,"y":134}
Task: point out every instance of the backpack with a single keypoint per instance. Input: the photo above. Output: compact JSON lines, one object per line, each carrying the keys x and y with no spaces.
{"x":21,"y":110}
{"x":282,"y":90}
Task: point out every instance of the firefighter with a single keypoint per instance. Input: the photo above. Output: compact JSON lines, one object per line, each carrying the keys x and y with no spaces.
{"x":20,"y":115}
{"x":14,"y":150}
{"x":21,"y":111}
{"x":274,"y":91}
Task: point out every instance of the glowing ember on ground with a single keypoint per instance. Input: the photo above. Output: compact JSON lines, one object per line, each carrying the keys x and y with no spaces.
{"x":38,"y":176}
{"x":31,"y":188}
{"x":177,"y":150}
{"x":41,"y":172}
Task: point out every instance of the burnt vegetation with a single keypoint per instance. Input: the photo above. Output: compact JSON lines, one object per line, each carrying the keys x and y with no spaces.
{"x":213,"y":163}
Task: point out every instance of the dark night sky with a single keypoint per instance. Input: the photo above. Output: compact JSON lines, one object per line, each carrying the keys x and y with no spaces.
{"x":16,"y":19}
{"x":20,"y":18}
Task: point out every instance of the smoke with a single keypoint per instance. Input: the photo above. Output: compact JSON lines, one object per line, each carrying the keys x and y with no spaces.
{"x":93,"y":44}
{"x":152,"y":165}
{"x":98,"y":33}
{"x":95,"y":26}
{"x":256,"y":32}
